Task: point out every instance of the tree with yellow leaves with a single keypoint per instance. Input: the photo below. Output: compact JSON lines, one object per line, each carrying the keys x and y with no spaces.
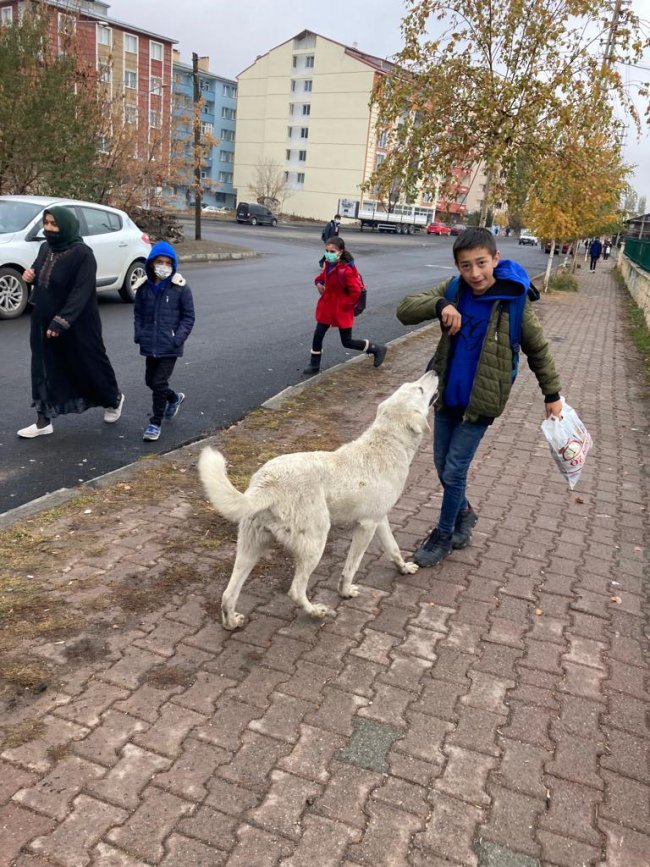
{"x":479,"y":81}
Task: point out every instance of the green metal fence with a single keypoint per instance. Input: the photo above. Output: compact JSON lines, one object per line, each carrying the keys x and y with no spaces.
{"x":638,"y":251}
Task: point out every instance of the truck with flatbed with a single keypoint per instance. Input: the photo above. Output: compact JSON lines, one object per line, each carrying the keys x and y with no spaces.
{"x":401,"y":219}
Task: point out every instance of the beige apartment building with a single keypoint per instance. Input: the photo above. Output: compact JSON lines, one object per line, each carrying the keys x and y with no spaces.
{"x":304,"y":106}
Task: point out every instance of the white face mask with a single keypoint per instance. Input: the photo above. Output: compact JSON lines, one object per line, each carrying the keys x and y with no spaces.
{"x":163,"y":271}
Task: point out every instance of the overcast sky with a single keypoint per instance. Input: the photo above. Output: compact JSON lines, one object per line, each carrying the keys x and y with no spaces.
{"x":234,"y":32}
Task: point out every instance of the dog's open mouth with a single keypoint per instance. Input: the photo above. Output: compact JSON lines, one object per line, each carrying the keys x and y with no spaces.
{"x":434,"y":398}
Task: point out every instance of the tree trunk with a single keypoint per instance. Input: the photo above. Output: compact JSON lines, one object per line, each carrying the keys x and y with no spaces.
{"x":487,"y":193}
{"x":549,"y":266}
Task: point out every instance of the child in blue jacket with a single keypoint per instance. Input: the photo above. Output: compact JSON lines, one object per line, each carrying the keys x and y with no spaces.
{"x":164,"y":318}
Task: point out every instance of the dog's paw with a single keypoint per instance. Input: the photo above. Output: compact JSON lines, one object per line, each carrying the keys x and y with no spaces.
{"x":409,"y":568}
{"x":232,"y":621}
{"x":350,"y":592}
{"x":320,"y":612}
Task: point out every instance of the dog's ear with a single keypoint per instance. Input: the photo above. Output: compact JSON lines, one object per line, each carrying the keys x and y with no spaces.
{"x":417,"y":422}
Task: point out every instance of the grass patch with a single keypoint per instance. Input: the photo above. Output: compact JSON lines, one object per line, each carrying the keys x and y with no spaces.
{"x":562,"y":281}
{"x":21,"y":733}
{"x":23,"y":672}
{"x":637,"y":326}
{"x":138,"y":595}
{"x":27,"y":612}
{"x":166,"y":676}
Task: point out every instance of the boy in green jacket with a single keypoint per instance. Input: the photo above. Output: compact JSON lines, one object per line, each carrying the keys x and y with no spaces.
{"x":476,"y":365}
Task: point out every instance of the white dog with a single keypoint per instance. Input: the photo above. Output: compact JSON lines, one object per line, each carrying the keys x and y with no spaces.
{"x":295,"y":498}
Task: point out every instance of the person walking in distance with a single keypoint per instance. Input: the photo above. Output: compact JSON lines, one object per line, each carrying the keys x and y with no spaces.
{"x":339,"y":286}
{"x":70,"y":369}
{"x":163,"y":317}
{"x":331,"y":229}
{"x":595,"y":250}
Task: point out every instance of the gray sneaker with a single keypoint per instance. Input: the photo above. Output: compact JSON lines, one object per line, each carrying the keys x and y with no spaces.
{"x":465,"y":522}
{"x":434,"y":549}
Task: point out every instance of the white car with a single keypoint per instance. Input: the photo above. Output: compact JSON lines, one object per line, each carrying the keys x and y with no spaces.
{"x":120,"y":247}
{"x":213,"y":209}
{"x":526,"y":239}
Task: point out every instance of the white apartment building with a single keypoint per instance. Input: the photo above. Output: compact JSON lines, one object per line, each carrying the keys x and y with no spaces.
{"x":305,"y":106}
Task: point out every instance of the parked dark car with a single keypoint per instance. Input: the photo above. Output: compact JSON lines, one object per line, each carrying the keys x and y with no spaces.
{"x":563,"y":248}
{"x":253,"y":213}
{"x":457,"y":228}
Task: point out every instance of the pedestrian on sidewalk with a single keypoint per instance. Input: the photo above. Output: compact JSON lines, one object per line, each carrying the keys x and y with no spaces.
{"x":476,"y":361}
{"x":70,"y":369}
{"x":607,"y":249}
{"x":594,"y":253}
{"x":163,"y":317}
{"x":339,"y":286}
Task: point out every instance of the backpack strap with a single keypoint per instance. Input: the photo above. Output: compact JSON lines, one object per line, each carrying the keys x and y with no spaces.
{"x":453,"y":289}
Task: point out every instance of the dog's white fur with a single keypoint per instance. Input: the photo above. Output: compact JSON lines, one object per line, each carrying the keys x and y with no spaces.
{"x":295,"y":498}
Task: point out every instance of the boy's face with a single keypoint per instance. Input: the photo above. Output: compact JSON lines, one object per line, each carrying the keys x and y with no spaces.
{"x":476,"y":267}
{"x":163,"y":260}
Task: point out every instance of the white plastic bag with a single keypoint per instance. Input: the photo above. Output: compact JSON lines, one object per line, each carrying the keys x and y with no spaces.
{"x":569,"y":442}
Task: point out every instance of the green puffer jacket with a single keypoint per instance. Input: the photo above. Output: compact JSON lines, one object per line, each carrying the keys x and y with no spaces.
{"x":493,"y":379}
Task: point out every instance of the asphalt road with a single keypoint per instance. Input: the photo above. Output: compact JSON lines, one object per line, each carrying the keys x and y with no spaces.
{"x":251,"y":340}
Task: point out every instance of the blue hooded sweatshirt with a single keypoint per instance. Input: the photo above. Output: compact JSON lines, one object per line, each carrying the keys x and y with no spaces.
{"x":164,"y":310}
{"x":512,"y":281}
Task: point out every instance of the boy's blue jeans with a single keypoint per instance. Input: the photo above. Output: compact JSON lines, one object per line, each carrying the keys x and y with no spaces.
{"x":454,"y":445}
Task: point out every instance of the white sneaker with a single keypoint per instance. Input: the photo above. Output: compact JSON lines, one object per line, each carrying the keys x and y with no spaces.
{"x":28,"y":433}
{"x":112,"y":414}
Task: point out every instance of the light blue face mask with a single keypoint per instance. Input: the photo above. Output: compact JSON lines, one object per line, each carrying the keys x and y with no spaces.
{"x":331,"y":257}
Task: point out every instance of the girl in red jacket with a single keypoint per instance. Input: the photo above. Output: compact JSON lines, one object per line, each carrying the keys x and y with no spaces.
{"x":339,"y":286}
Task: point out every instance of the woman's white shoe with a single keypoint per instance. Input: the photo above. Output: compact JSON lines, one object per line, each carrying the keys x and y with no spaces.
{"x":28,"y":433}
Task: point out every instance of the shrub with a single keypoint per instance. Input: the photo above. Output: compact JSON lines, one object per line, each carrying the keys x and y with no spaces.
{"x":563,"y":282}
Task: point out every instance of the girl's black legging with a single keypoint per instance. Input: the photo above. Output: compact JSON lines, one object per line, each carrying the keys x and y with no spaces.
{"x":346,"y":338}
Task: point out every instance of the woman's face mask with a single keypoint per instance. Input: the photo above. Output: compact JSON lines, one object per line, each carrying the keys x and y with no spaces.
{"x":162,"y":272}
{"x":331,"y":256}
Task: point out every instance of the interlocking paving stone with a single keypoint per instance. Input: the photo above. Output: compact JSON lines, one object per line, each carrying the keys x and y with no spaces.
{"x":369,"y":744}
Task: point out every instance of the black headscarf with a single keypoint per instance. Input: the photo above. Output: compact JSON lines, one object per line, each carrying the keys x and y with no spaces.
{"x":68,"y":234}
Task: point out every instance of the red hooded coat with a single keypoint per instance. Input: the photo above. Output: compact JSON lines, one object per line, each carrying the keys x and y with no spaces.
{"x":342,"y":289}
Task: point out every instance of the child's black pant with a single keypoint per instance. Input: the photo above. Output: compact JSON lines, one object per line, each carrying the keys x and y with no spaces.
{"x":347,"y":339}
{"x":157,"y":374}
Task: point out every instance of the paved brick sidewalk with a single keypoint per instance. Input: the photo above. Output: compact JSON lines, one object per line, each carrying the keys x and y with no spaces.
{"x":490,"y":712}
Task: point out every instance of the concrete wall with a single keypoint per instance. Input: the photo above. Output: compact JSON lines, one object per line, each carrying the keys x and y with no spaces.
{"x":638,"y":284}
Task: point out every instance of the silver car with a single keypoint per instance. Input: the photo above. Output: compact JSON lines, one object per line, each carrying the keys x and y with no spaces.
{"x":120,"y":247}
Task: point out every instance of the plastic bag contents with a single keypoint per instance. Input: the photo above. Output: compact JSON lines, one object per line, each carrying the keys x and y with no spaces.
{"x":569,"y":442}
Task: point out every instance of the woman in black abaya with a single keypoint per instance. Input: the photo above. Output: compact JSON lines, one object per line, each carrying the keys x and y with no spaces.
{"x":70,"y":368}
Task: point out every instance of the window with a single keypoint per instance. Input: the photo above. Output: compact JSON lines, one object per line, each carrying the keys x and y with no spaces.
{"x":227,"y":134}
{"x":131,"y":114}
{"x":100,"y":222}
{"x":306,"y":109}
{"x":225,"y":177}
{"x":382,"y":140}
{"x":105,"y":73}
{"x":309,"y":61}
{"x":379,"y":158}
{"x":226,"y":157}
{"x":293,"y":81}
{"x":230,"y":91}
{"x":291,"y":108}
{"x":130,"y":43}
{"x":228,"y":113}
{"x":104,"y":35}
{"x":295,"y":61}
{"x":155,"y":119}
{"x":304,"y":132}
{"x":206,"y":128}
{"x":6,"y":15}
{"x":130,"y":79}
{"x":288,"y":154}
{"x":203,"y":175}
{"x":286,"y":176}
{"x":306,"y":85}
{"x":155,"y":85}
{"x":289,"y":131}
{"x":300,"y":177}
{"x":156,"y":50}
{"x":302,"y":156}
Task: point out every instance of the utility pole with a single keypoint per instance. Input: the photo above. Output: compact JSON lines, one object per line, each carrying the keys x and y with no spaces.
{"x":197,"y":145}
{"x":611,"y":36}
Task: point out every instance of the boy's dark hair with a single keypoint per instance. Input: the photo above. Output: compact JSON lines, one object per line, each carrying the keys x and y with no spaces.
{"x":472,"y":238}
{"x":339,"y":243}
{"x":337,"y":216}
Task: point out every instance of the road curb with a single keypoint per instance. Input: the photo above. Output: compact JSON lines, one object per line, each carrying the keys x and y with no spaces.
{"x":218,"y":257}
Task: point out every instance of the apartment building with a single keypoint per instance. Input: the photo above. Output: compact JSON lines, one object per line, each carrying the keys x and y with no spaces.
{"x":134,"y":65}
{"x":304,"y":107}
{"x":218,"y":116}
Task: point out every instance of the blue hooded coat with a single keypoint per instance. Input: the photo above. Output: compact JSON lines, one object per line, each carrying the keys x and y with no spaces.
{"x":163,"y":309}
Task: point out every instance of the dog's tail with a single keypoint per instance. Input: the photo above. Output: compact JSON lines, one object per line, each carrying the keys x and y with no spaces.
{"x":225,"y":498}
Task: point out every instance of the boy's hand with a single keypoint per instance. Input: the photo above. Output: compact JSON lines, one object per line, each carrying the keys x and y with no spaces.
{"x":554,"y":408}
{"x":28,"y":275}
{"x":320,"y":287}
{"x":450,"y":319}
